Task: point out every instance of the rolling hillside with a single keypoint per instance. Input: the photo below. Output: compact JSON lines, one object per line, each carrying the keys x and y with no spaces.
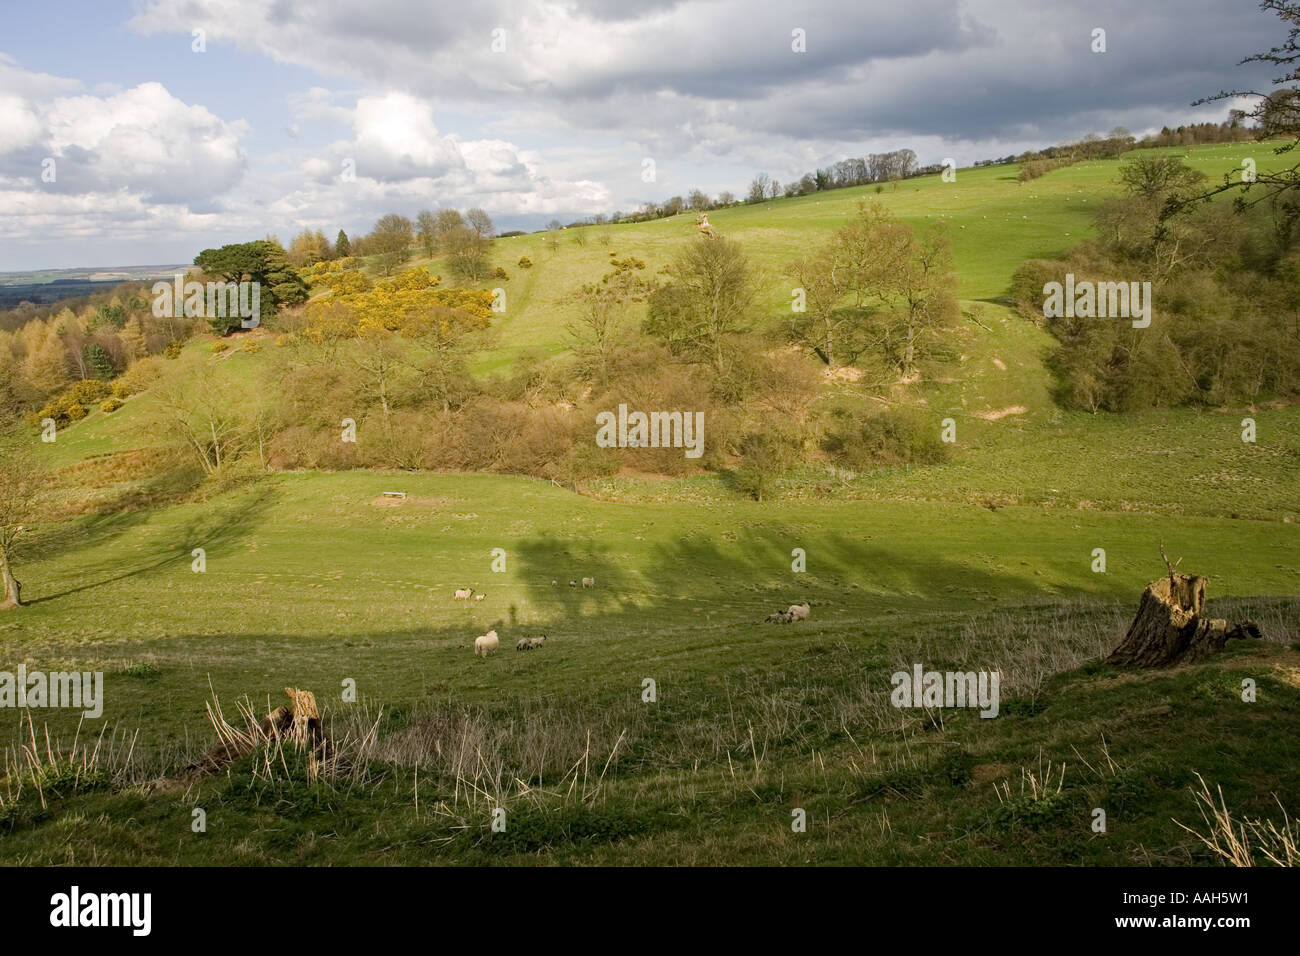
{"x":313,"y":579}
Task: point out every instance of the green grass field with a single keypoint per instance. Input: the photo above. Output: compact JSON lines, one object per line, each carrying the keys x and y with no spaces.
{"x":313,"y":581}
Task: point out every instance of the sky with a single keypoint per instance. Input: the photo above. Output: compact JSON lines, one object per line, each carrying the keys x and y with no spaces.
{"x":142,"y":133}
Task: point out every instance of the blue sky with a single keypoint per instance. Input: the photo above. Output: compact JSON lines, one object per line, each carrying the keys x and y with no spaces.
{"x":537,"y":110}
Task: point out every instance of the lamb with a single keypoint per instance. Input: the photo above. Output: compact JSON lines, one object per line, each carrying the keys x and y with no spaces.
{"x":479,"y":597}
{"x":485,"y":643}
{"x":588,"y":582}
{"x":796,"y":612}
{"x":573,"y":584}
{"x":530,"y":643}
{"x":464,"y":594}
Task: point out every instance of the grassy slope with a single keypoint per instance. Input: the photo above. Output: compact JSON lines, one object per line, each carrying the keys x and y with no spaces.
{"x":309,"y":583}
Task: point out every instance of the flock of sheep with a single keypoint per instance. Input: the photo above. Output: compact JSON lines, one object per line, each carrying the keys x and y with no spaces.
{"x":796,"y":612}
{"x":586,"y":583}
{"x":464,"y":594}
{"x":485,"y":644}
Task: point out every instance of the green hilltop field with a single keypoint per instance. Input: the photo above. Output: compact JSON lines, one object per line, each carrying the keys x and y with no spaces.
{"x":314,"y":580}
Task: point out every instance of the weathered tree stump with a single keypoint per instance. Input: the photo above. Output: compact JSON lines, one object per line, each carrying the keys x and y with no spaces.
{"x":299,"y":723}
{"x":1169,"y":628}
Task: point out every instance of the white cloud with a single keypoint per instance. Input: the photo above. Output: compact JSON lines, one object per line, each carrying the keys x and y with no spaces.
{"x":714,"y":85}
{"x":396,"y":139}
{"x":560,"y":120}
{"x":141,"y":161}
{"x":142,"y":141}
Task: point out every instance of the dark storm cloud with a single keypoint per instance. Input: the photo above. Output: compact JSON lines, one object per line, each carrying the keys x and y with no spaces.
{"x":673,"y":74}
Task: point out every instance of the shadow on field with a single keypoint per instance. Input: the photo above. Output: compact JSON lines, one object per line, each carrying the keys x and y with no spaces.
{"x":750,"y":570}
{"x":546,"y":559}
{"x":217,"y":529}
{"x":125,"y":511}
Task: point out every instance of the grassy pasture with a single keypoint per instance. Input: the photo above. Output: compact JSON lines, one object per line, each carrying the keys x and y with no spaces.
{"x":984,"y":562}
{"x":310,"y":582}
{"x":995,"y":224}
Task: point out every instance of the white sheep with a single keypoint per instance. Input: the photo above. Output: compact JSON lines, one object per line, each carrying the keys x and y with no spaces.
{"x":464,"y":594}
{"x":485,"y":643}
{"x":800,"y":612}
{"x":479,"y":597}
{"x":530,"y":643}
{"x":588,"y":582}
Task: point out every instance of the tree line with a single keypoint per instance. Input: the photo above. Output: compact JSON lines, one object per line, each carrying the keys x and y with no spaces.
{"x":1225,"y":281}
{"x":464,"y":238}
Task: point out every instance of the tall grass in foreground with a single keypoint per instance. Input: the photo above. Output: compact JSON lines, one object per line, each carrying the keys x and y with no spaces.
{"x":548,"y":750}
{"x":50,"y":767}
{"x":530,"y":746}
{"x":1238,"y":843}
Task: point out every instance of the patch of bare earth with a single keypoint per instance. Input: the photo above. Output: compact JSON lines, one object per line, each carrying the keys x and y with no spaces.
{"x":996,"y":414}
{"x":386,"y":501}
{"x":844,"y":373}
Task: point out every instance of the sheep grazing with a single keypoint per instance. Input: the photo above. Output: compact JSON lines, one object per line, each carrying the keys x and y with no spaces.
{"x":464,"y":594}
{"x":485,"y":643}
{"x":796,"y":612}
{"x":479,"y":597}
{"x":573,"y":584}
{"x":588,"y":582}
{"x":530,"y":643}
{"x":555,"y":584}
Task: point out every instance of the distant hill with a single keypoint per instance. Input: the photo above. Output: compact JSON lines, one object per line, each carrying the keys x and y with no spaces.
{"x":43,"y":287}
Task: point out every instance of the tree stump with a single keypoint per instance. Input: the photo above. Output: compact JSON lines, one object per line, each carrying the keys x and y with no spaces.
{"x":304,"y":724}
{"x":1169,"y":628}
{"x":299,"y":723}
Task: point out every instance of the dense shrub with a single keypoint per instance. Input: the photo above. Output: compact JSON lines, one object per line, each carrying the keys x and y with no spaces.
{"x":891,"y":438}
{"x":89,"y":391}
{"x":70,"y":405}
{"x":302,"y":446}
{"x":138,"y":377}
{"x":1041,"y":167}
{"x":767,"y":454}
{"x":1223,"y":287}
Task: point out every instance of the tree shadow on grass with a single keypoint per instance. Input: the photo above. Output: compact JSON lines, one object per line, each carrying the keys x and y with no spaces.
{"x":112,"y":518}
{"x":749,"y":572}
{"x":216,"y":529}
{"x":547,"y":559}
